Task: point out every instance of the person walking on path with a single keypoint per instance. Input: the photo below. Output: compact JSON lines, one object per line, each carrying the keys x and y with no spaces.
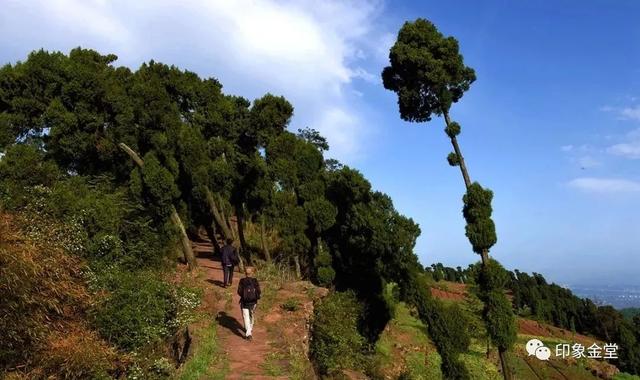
{"x":229,"y":258}
{"x":249,"y":292}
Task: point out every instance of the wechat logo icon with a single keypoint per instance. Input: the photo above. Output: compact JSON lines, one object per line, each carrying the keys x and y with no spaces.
{"x":536,"y":348}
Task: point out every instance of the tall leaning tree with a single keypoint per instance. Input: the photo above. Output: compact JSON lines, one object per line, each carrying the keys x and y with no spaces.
{"x":428,"y":74}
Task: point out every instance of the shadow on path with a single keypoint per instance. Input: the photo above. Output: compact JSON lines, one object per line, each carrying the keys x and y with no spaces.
{"x":216,"y":282}
{"x":230,"y":323}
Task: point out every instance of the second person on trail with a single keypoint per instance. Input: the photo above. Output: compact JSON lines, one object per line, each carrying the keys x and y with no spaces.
{"x":249,"y":292}
{"x":229,"y":258}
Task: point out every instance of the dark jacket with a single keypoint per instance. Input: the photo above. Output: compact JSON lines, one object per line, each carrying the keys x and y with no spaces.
{"x":244,"y":282}
{"x":228,"y":253}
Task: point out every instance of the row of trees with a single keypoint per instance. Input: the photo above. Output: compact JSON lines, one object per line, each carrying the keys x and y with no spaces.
{"x":194,"y":155}
{"x":534,"y":297}
{"x":141,"y":160}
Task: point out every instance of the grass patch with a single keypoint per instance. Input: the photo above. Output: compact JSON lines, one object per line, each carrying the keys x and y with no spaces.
{"x":625,"y":376}
{"x":272,"y":364}
{"x":207,"y":361}
{"x":300,"y":367}
{"x":479,"y":367}
{"x":421,"y":367}
{"x":409,"y":332}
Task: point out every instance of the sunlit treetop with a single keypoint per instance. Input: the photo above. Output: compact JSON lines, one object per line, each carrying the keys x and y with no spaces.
{"x":426,"y":70}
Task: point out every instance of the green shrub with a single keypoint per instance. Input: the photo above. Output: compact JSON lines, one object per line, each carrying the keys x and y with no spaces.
{"x":325,"y":273}
{"x":290,"y":305}
{"x":137,"y":311}
{"x":336,"y":343}
{"x":391,"y":296}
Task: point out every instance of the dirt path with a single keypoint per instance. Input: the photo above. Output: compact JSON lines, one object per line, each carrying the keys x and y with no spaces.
{"x":245,"y":358}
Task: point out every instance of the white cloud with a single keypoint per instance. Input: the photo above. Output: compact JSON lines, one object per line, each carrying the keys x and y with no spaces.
{"x":630,"y":148}
{"x":588,"y":162}
{"x":605,"y":185}
{"x":624,"y":113}
{"x":630,"y":113}
{"x":345,"y":129}
{"x":313,"y":53}
{"x":566,"y":148}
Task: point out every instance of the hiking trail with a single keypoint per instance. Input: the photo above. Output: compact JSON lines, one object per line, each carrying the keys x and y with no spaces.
{"x":244,"y":357}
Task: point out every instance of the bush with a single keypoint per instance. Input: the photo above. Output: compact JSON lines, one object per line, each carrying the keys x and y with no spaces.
{"x":325,"y":273}
{"x":290,"y":305}
{"x":138,"y":310}
{"x":391,"y":296}
{"x":336,"y":343}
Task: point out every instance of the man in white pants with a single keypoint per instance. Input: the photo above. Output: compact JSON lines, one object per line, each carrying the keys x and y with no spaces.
{"x":249,"y":292}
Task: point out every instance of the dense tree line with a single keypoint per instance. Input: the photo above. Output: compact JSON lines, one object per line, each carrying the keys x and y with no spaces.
{"x":141,"y":160}
{"x":534,"y":297}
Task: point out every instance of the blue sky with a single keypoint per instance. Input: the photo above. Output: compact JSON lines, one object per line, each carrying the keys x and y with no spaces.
{"x":552,"y":124}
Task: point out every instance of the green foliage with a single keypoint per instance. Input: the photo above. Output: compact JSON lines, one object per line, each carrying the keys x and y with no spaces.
{"x":137,"y":311}
{"x":625,"y":376}
{"x":630,"y":312}
{"x":336,"y":343}
{"x":391,"y":296}
{"x":498,"y":310}
{"x":453,"y":159}
{"x":452,"y":129}
{"x":325,"y":274}
{"x":62,"y":119}
{"x":205,"y":355}
{"x":314,"y":137}
{"x":499,"y":319}
{"x":447,"y":326}
{"x":491,"y":276}
{"x":290,"y":305}
{"x":270,"y":116}
{"x":477,"y":210}
{"x":426,"y":71}
{"x":24,"y":166}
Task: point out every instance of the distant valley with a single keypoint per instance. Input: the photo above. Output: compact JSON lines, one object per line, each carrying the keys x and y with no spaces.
{"x":617,"y":296}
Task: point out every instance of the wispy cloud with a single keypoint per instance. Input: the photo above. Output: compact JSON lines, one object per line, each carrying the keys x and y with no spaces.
{"x":588,"y":162}
{"x":314,"y":53}
{"x":630,"y":148}
{"x":624,"y":113}
{"x":630,"y":113}
{"x":584,"y":156}
{"x":605,"y":185}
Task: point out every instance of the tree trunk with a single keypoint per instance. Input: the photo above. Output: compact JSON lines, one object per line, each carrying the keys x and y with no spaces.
{"x":485,"y":257}
{"x":218,"y":216}
{"x":243,"y":242}
{"x":265,"y":249}
{"x":229,"y":227}
{"x":458,"y":152}
{"x":187,"y":251}
{"x":241,"y":264}
{"x":296,"y":262}
{"x":506,"y":372}
{"x":184,"y":239}
{"x":212,"y":234}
